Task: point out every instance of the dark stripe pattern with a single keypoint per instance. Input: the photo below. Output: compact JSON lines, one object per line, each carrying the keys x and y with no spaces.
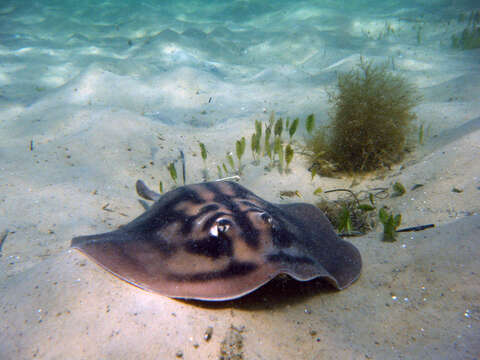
{"x":229,"y":205}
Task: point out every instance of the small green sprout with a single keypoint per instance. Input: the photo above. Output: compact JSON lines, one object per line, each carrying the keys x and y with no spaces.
{"x":288,"y":155}
{"x":318,"y":191}
{"x":173,"y":172}
{"x":258,"y":139}
{"x":268,"y":147}
{"x":271,"y":120}
{"x":258,"y":147}
{"x":230,"y":161}
{"x":398,"y":189}
{"x":225,"y":167}
{"x":277,"y":145}
{"x":390,"y":224}
{"x":278,"y":127}
{"x":160,"y":187}
{"x":203,"y":151}
{"x":240,"y":148}
{"x":253,"y":146}
{"x":345,"y":221}
{"x":313,"y":172}
{"x":219,"y":172}
{"x":258,"y":128}
{"x":278,"y":149}
{"x":310,"y":123}
{"x":268,"y":132}
{"x":293,"y":128}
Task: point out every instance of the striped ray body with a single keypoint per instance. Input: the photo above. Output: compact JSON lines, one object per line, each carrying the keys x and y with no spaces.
{"x":219,"y":241}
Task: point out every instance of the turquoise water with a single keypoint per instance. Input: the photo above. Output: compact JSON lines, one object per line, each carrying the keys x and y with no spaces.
{"x":276,"y":46}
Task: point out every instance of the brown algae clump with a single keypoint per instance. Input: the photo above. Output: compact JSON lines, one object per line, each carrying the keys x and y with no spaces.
{"x":371,"y":119}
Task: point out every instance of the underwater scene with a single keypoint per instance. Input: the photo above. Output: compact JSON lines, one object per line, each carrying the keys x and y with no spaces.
{"x":243,"y":179}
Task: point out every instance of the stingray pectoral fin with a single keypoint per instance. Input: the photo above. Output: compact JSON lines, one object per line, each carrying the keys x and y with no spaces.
{"x":340,"y":269}
{"x":130,"y":256}
{"x":330,"y":256}
{"x":113,"y":251}
{"x":345,"y":264}
{"x":137,"y":260}
{"x":231,"y":282}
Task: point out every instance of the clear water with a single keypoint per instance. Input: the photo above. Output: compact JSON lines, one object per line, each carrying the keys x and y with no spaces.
{"x":80,"y":83}
{"x":231,"y":46}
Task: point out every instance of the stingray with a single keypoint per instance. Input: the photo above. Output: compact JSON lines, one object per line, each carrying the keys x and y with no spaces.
{"x":219,"y":241}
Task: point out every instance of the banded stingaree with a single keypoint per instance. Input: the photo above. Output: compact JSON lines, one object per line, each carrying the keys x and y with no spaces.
{"x":219,"y":241}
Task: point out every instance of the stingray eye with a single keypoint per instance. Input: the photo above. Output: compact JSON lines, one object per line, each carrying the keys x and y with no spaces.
{"x":266,"y":218}
{"x":220,"y":227}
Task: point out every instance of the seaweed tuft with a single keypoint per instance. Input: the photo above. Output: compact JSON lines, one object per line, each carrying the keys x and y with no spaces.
{"x":371,"y":121}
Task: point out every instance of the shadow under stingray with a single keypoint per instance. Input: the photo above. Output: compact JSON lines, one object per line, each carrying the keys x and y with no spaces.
{"x":277,"y":293}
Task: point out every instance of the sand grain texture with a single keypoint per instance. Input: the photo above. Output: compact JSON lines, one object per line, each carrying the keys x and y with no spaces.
{"x":94,"y":98}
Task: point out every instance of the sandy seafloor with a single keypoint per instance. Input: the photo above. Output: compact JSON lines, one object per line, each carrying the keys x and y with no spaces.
{"x":107,"y":93}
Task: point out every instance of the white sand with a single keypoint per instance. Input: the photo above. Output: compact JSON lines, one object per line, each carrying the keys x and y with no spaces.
{"x":102,"y":114}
